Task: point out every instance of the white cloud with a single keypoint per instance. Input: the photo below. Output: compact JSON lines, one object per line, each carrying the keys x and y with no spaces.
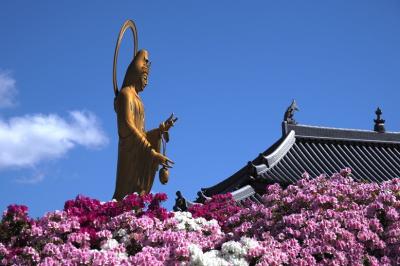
{"x":7,"y":89}
{"x":28,"y":140}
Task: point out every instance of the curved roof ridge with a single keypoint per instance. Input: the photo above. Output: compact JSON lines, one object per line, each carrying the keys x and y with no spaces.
{"x":274,"y":157}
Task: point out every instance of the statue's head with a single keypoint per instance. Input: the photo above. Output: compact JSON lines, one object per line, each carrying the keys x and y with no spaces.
{"x":138,"y":71}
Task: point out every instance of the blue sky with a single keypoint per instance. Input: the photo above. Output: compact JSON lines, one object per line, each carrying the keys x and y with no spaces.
{"x":228,"y":69}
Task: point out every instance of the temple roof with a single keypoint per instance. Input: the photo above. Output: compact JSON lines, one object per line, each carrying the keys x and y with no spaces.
{"x":372,"y":155}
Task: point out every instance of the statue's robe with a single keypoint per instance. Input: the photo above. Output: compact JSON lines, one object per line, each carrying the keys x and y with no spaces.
{"x":136,"y":166}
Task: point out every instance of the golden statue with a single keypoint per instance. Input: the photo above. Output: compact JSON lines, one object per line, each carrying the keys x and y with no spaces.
{"x":138,"y":150}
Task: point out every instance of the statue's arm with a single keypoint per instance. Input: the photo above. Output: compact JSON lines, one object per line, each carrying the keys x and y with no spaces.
{"x":155,"y":133}
{"x":154,"y":137}
{"x":127,"y":116}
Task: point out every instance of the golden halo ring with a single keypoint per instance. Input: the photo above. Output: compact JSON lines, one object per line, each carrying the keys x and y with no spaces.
{"x":129,"y":24}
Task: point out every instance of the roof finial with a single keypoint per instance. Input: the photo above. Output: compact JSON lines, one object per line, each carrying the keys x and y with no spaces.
{"x":290,"y":113}
{"x":379,"y":122}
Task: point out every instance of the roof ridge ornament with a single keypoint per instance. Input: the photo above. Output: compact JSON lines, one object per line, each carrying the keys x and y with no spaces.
{"x":379,"y":122}
{"x":288,"y":117}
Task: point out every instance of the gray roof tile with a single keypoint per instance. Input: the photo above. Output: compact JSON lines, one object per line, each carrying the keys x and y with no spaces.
{"x":372,"y":156}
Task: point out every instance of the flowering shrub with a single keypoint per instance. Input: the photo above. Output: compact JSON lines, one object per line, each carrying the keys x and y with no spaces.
{"x":322,"y":221}
{"x":326,"y":221}
{"x":220,"y":207}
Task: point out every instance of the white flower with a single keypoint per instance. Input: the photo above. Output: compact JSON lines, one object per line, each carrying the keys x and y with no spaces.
{"x":122,"y":256}
{"x":121,"y":232}
{"x":195,"y":251}
{"x":234,"y":252}
{"x":109,"y":244}
{"x":233,"y":248}
{"x":231,"y":254}
{"x":182,"y":215}
{"x":249,"y":243}
{"x":186,"y":222}
{"x":201,"y":221}
{"x":239,"y":262}
{"x":210,"y":258}
{"x":126,"y":240}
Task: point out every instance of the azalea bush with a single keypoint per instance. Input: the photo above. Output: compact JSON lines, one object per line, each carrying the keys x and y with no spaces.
{"x":220,"y":207}
{"x":320,"y":221}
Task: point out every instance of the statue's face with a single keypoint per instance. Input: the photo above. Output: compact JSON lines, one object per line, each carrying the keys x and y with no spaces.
{"x":142,"y":67}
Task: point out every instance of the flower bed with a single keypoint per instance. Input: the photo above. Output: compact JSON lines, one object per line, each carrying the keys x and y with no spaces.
{"x":321,"y":221}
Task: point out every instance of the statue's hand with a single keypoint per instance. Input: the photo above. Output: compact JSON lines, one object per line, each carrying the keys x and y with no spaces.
{"x":167,"y":124}
{"x":161,"y":159}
